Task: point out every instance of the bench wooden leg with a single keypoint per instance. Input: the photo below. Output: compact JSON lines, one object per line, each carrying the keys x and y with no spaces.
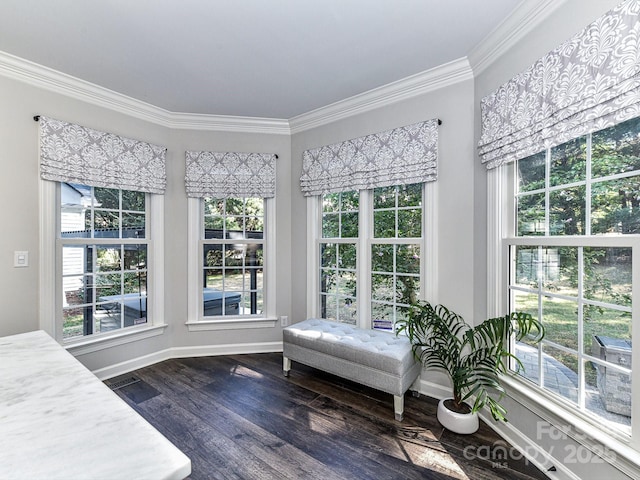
{"x":398,"y":407}
{"x":286,"y":365}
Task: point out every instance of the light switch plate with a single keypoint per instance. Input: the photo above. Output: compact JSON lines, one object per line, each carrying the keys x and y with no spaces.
{"x":20,"y":259}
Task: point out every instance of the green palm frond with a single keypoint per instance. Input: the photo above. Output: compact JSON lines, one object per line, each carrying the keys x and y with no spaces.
{"x":474,"y":357}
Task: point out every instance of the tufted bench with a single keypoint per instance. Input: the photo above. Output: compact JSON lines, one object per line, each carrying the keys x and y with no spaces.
{"x":371,"y":357}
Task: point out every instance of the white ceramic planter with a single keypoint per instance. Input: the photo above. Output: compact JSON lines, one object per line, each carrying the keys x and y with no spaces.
{"x":464,"y":423}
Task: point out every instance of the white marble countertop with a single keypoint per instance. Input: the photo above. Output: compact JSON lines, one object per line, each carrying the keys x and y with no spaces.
{"x":58,"y":421}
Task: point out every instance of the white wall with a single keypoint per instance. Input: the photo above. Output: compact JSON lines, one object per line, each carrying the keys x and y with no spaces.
{"x":19,"y":220}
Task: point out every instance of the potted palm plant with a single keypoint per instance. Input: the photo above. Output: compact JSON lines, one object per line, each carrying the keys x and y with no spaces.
{"x":473,"y":357}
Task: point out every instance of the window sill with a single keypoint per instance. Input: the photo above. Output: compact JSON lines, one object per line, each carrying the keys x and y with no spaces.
{"x":97,"y":343}
{"x":231,"y":324}
{"x":598,"y":438}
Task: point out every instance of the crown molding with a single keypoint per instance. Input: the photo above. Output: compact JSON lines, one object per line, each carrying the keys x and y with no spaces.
{"x":526,"y":16}
{"x":403,"y":89}
{"x":52,"y":80}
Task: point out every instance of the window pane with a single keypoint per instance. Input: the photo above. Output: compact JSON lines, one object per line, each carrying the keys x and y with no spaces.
{"x":615,"y":206}
{"x":347,"y":255}
{"x":560,"y":319}
{"x":382,"y":315}
{"x":214,"y":279}
{"x":560,"y":372}
{"x":108,"y":286}
{"x":328,"y":255}
{"x":234,"y":206}
{"x":607,"y":275}
{"x":568,"y":162}
{"x":213,"y":206}
{"x":407,"y":289}
{"x":135,"y":257}
{"x":350,"y":201}
{"x":77,"y":290}
{"x":328,"y":281}
{"x":382,"y":258}
{"x":410,"y":195}
{"x":531,"y":172}
{"x":254,"y":225}
{"x":329,"y":307}
{"x":525,"y":302}
{"x":134,"y":201}
{"x":560,"y":270}
{"x":234,"y":227}
{"x":612,"y":327}
{"x":608,"y":393}
{"x":133,"y":225}
{"x":566,"y":211}
{"x":135,"y":282}
{"x":410,"y":223}
{"x":616,"y":149}
{"x":384,"y":224}
{"x":384,"y":197}
{"x":106,"y":224}
{"x":408,"y":259}
{"x":526,"y":266}
{"x":382,"y":288}
{"x":212,"y":255}
{"x":530,"y":212}
{"x":349,"y":228}
{"x":73,"y":322}
{"x":254,"y":207}
{"x":347,"y":283}
{"x":331,"y":225}
{"x":347,"y":310}
{"x":107,"y":198}
{"x":331,"y":202}
{"x":107,"y":258}
{"x":233,"y":257}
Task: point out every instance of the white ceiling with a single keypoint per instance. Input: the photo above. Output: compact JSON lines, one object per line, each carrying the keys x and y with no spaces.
{"x":256,"y":58}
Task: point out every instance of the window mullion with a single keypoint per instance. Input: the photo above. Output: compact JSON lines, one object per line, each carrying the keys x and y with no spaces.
{"x":363,"y":266}
{"x":587,"y":208}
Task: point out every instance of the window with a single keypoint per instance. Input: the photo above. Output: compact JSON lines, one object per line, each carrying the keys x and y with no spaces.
{"x":338,"y":254}
{"x":395,"y":252}
{"x":571,"y":252}
{"x":231,"y":251}
{"x":233,"y":256}
{"x":103,"y":245}
{"x":369,"y":246}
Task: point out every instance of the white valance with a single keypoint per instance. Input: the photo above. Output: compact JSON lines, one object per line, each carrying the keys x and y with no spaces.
{"x":399,"y":156}
{"x":72,"y":153}
{"x":230,"y":174}
{"x":586,"y":84}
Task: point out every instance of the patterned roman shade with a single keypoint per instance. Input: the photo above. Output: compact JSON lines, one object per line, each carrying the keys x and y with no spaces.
{"x":76,"y":154}
{"x":588,"y":83}
{"x":230,"y":174}
{"x":399,"y":156}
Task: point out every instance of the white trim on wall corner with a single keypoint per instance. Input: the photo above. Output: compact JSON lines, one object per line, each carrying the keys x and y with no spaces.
{"x":58,"y":82}
{"x":389,"y":94}
{"x":185,"y":352}
{"x":527,"y":16}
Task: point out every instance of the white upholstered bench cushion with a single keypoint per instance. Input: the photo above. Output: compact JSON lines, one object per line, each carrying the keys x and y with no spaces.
{"x":379,"y":350}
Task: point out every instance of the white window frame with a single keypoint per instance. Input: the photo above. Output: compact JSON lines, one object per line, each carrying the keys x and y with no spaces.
{"x":195,"y":319}
{"x":50,"y":270}
{"x":570,"y":421}
{"x":428,"y":252}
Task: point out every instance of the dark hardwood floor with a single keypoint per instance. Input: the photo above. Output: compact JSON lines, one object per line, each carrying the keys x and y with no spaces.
{"x":238,"y":417}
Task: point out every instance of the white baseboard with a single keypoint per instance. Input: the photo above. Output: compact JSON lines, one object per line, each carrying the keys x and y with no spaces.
{"x":185,"y":352}
{"x":528,"y":449}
